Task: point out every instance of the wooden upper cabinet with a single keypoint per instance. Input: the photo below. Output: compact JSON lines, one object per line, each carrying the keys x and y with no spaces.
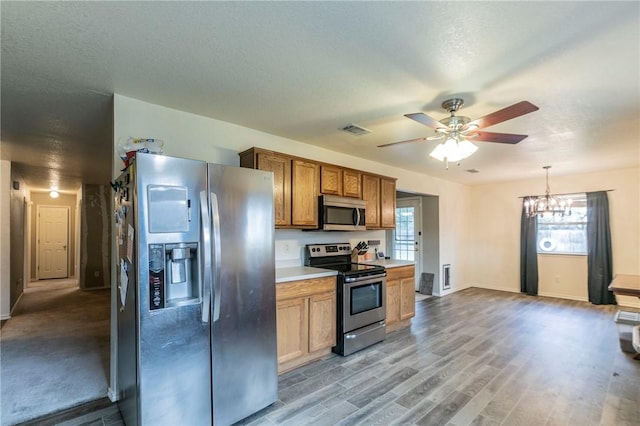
{"x":343,"y":182}
{"x":330,"y":180}
{"x":352,"y":186}
{"x":371,"y":194}
{"x":387,"y":203}
{"x":280,"y":166}
{"x":297,"y":182}
{"x":305,"y":176}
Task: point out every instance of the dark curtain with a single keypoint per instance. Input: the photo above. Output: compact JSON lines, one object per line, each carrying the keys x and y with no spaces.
{"x":528,"y":253}
{"x":599,"y":263}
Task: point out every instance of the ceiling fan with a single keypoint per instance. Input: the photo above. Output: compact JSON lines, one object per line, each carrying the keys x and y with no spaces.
{"x":459,"y":128}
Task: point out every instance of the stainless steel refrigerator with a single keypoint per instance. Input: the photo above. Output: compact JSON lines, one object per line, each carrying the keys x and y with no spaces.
{"x":196,"y":292}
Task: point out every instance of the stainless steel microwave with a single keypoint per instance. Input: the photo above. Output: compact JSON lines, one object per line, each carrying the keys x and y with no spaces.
{"x":341,"y":213}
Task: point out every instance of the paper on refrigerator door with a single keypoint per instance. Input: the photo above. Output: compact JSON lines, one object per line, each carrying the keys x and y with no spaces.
{"x":124,"y":281}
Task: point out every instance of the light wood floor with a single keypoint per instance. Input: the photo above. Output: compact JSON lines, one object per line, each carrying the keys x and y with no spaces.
{"x":476,"y":357}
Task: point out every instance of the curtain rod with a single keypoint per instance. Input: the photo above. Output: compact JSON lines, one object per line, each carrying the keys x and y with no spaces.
{"x":566,"y":193}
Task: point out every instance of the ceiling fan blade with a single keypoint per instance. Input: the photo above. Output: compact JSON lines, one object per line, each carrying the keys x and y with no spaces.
{"x":423,"y":118}
{"x":495,"y":137}
{"x":513,"y":111}
{"x":409,"y":140}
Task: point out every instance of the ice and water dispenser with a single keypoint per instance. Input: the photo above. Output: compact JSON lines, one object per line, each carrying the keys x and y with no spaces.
{"x":174,"y":274}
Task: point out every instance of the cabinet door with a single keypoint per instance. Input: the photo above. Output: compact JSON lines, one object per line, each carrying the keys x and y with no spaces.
{"x":330,"y":180}
{"x":322,"y":321}
{"x":407,"y":298}
{"x":352,"y":186}
{"x":292,"y":326}
{"x":304,"y":189}
{"x":387,"y":203}
{"x":371,"y":194}
{"x":281,"y":168}
{"x":393,"y":301}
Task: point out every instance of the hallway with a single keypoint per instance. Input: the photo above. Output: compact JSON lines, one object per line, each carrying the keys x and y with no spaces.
{"x":55,"y":350}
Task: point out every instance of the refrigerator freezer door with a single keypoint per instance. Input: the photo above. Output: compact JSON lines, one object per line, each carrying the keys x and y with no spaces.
{"x":244,"y":356}
{"x":173,"y":344}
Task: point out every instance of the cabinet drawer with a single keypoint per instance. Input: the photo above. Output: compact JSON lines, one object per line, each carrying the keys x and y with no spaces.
{"x":304,"y":288}
{"x":400,"y":272}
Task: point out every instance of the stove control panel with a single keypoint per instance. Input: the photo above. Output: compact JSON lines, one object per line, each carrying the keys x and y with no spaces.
{"x":327,"y":250}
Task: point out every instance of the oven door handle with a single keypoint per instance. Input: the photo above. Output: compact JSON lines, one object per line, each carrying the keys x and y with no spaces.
{"x":366,"y":279}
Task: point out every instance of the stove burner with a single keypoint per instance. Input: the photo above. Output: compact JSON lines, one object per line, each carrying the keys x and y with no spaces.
{"x":338,"y":258}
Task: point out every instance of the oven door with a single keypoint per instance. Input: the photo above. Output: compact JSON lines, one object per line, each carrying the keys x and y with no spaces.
{"x":364,"y":302}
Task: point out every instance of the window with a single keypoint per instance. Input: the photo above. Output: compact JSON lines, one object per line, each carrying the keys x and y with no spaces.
{"x":564,"y":234}
{"x":404,"y":241}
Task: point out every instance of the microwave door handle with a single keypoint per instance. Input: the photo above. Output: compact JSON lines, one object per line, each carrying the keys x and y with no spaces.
{"x":215,"y":219}
{"x":357,"y":216}
{"x":206,"y":249}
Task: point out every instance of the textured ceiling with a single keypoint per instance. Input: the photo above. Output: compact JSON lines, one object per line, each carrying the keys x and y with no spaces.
{"x":303,"y":70}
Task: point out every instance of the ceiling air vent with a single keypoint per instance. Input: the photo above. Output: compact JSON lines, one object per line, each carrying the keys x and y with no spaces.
{"x":356,"y":130}
{"x":472,"y":171}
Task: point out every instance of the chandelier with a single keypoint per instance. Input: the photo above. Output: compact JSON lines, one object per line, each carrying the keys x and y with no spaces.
{"x":454,"y":148}
{"x":547,"y":204}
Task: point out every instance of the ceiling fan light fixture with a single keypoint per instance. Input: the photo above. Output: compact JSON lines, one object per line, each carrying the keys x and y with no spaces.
{"x":453,"y":150}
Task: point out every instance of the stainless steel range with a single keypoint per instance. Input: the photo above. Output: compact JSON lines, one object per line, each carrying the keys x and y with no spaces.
{"x":361,"y":296}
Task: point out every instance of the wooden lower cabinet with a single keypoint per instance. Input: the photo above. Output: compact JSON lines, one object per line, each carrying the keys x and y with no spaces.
{"x":306,"y":321}
{"x":401,"y":297}
{"x":293,"y":328}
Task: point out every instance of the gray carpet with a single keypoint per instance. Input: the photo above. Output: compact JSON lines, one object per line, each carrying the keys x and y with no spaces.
{"x":54,"y":352}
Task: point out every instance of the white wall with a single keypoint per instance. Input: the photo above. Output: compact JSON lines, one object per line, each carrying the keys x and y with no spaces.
{"x":5,"y":229}
{"x":192,"y":136}
{"x":494,"y":240}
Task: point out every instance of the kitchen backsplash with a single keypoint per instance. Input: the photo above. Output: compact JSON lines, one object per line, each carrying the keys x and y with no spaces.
{"x":290,"y":244}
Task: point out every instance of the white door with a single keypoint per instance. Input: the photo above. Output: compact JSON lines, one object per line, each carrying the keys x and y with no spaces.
{"x":53,"y":242}
{"x":407,"y":241}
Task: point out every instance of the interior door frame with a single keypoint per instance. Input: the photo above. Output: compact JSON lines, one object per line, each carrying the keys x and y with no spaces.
{"x":40,"y":206}
{"x":416,"y":203}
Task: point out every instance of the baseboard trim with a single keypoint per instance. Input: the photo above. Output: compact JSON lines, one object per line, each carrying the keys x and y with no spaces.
{"x":510,"y":290}
{"x":15,"y":305}
{"x":113,"y":395}
{"x":564,"y":296}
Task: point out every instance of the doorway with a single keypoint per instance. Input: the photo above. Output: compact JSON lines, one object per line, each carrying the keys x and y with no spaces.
{"x":407,"y":241}
{"x":418,"y":237}
{"x":52,"y":242}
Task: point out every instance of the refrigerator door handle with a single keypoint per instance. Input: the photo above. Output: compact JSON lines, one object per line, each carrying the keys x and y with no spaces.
{"x":206,"y":246}
{"x":215,"y":220}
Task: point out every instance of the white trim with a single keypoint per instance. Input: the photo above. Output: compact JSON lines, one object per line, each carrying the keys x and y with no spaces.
{"x":5,"y":241}
{"x":113,"y":395}
{"x":486,"y":287}
{"x":564,"y":296}
{"x":418,"y":234}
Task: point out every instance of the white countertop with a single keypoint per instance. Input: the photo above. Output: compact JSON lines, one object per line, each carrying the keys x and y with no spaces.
{"x":296,"y":273}
{"x":389,"y":263}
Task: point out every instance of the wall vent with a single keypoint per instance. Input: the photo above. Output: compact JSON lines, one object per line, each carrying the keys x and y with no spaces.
{"x":356,"y":130}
